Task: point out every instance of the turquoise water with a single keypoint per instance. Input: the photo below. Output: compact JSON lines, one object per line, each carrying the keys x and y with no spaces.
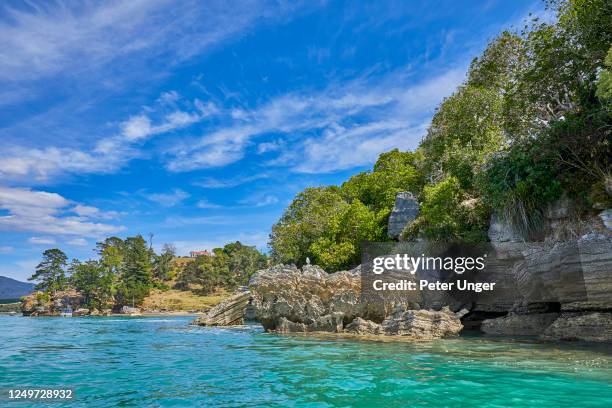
{"x":159,"y":362}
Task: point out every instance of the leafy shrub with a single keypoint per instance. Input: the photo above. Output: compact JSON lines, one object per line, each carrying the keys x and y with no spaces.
{"x":448,"y":214}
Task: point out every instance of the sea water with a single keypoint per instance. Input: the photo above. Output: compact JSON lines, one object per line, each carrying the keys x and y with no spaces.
{"x":163,"y":361}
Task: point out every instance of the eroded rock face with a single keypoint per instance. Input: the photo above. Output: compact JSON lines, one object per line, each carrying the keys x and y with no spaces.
{"x":519,"y":325}
{"x":422,"y":324}
{"x":288,"y":300}
{"x":227,"y":313}
{"x":405,"y":210}
{"x":595,"y":327}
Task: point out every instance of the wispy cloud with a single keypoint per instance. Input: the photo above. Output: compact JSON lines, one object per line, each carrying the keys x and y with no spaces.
{"x":78,"y":242}
{"x":38,"y":40}
{"x":176,"y":196}
{"x":109,"y":153}
{"x":46,"y":213}
{"x":259,"y":200}
{"x":367,"y":115}
{"x":229,"y":182}
{"x":205,"y":204}
{"x":41,"y":241}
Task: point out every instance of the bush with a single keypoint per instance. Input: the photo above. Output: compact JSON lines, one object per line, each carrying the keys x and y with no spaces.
{"x":448,"y":214}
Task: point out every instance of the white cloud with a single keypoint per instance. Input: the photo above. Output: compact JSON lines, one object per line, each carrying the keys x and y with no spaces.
{"x":46,"y":213}
{"x":269,"y":146}
{"x":41,"y":241}
{"x":205,"y":204}
{"x":259,"y":200}
{"x":84,"y":40}
{"x":211,"y":182}
{"x":5,"y":249}
{"x":177,"y":221}
{"x":168,"y":199}
{"x":106,"y":156}
{"x":44,"y":39}
{"x":339,"y":128}
{"x":94,"y":212}
{"x":78,"y":242}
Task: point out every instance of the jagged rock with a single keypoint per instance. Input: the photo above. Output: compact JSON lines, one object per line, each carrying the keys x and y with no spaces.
{"x":405,"y":210}
{"x":423,"y":324}
{"x":519,"y":325}
{"x":287,"y":299}
{"x":303,"y":296}
{"x":586,"y":327}
{"x":364,"y":327}
{"x":227,"y":313}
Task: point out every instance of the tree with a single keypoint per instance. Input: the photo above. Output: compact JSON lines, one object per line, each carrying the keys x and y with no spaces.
{"x":303,"y":222}
{"x":393,"y":172}
{"x":162,"y":265}
{"x":464,"y":132}
{"x":448,"y":214}
{"x":243,"y":261}
{"x":50,"y":272}
{"x":111,"y":252}
{"x":94,"y":281}
{"x":136,"y":272}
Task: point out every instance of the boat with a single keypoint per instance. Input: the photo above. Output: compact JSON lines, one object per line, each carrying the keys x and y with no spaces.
{"x":66,"y":312}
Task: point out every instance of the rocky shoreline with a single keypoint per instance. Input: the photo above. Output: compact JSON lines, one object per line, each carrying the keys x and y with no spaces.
{"x":557,"y":288}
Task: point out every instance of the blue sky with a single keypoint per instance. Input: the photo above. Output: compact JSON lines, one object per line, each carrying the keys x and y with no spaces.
{"x":199,"y":121}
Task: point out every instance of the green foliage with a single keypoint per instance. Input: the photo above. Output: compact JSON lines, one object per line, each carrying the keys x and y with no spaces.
{"x":339,"y":246}
{"x":94,"y":281}
{"x":227,"y":268}
{"x":521,"y":181}
{"x":447,"y":214}
{"x":463,"y":134}
{"x":328,"y":224}
{"x":243,"y":261}
{"x":163,"y":263}
{"x":604,"y":83}
{"x":50,"y":274}
{"x":393,"y":172}
{"x":305,"y":220}
{"x":136,"y":271}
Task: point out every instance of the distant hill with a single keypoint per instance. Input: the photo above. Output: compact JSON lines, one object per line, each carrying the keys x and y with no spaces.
{"x":13,"y":289}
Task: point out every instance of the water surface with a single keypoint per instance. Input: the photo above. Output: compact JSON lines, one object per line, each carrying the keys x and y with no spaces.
{"x":159,"y":362}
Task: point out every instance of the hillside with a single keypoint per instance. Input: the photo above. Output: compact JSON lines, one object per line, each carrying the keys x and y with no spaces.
{"x":13,"y":289}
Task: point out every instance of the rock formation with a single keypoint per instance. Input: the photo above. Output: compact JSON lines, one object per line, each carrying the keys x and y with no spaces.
{"x":289,"y":300}
{"x":227,"y":313}
{"x":405,"y":210}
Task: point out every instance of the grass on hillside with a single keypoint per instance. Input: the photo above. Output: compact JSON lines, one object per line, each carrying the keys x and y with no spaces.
{"x":178,"y":300}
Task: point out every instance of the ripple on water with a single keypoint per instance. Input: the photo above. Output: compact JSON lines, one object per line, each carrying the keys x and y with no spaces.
{"x":166,"y":362}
